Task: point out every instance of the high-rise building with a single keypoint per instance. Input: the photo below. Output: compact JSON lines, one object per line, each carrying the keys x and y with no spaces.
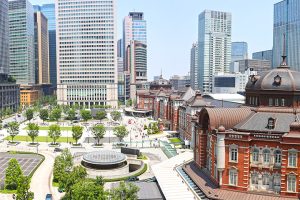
{"x":214,"y":41}
{"x":21,"y":40}
{"x":41,"y":41}
{"x":9,"y":91}
{"x":86,"y":60}
{"x":260,"y":66}
{"x":49,"y":11}
{"x":263,"y":55}
{"x":194,"y":66}
{"x":286,"y":22}
{"x":137,"y":65}
{"x":180,"y":82}
{"x":134,"y":28}
{"x":239,"y":51}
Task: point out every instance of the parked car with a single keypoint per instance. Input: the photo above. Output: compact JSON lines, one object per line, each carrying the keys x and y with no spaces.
{"x":57,"y":149}
{"x":48,"y":197}
{"x":133,"y":178}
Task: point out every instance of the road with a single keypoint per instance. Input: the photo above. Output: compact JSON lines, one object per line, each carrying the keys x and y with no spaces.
{"x":41,"y":180}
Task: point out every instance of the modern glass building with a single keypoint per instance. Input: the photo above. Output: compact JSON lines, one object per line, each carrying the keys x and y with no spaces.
{"x":21,"y":40}
{"x":239,"y":51}
{"x":49,"y":11}
{"x":194,"y":66}
{"x":4,"y":39}
{"x":214,"y":42}
{"x":86,"y":52}
{"x":287,"y":21}
{"x":134,"y":28}
{"x":263,"y":55}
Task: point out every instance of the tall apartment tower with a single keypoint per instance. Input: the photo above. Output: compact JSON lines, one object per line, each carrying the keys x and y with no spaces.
{"x":86,"y":52}
{"x":49,"y":12}
{"x":41,"y":42}
{"x":287,"y":21}
{"x":214,"y":40}
{"x":134,"y":28}
{"x":194,"y":66}
{"x":21,"y":40}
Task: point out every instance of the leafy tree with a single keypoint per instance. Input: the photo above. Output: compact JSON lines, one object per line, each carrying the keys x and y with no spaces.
{"x":87,"y":190}
{"x":149,"y":129}
{"x":33,"y":131}
{"x":55,"y":114}
{"x":29,"y":114}
{"x":12,"y":174}
{"x":13,"y":130}
{"x":100,"y":115}
{"x":120,"y":132}
{"x":129,"y":103}
{"x":71,"y":114}
{"x":86,"y":115}
{"x":62,"y":164}
{"x":54,"y":132}
{"x":125,"y":191}
{"x":116,"y":115}
{"x":98,"y":131}
{"x":8,"y":111}
{"x":44,"y":114}
{"x":155,"y":128}
{"x":23,"y":192}
{"x":77,"y":174}
{"x":99,"y":180}
{"x":77,"y":132}
{"x":145,"y":127}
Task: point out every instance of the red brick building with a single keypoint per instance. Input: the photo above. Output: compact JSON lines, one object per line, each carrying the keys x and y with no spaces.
{"x":255,"y":148}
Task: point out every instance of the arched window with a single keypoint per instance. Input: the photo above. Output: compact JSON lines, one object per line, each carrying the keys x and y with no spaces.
{"x":266,"y":156}
{"x":255,"y":155}
{"x":277,"y":157}
{"x":233,"y":177}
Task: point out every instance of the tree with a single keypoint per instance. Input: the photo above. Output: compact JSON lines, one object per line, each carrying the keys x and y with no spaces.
{"x":149,"y":129}
{"x":86,"y":115}
{"x":98,"y":131}
{"x":62,"y":163}
{"x":23,"y":192}
{"x":33,"y":131}
{"x":116,"y":115}
{"x":129,"y":103}
{"x":29,"y":114}
{"x":100,"y":115}
{"x":12,"y":174}
{"x":54,"y":132}
{"x":120,"y":132}
{"x":55,"y":114}
{"x":44,"y":114}
{"x":155,"y":128}
{"x":77,"y":132}
{"x":13,"y":130}
{"x":86,"y":189}
{"x":76,"y":175}
{"x":125,"y":191}
{"x":99,"y":180}
{"x":71,"y":114}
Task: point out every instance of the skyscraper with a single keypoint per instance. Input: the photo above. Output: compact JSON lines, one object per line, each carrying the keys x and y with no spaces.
{"x":239,"y":51}
{"x":214,"y":40}
{"x":263,"y":55}
{"x":49,"y":11}
{"x":21,"y":40}
{"x":9,"y":91}
{"x":194,"y":66}
{"x":287,"y":21}
{"x":134,"y":28}
{"x":41,"y":41}
{"x":86,"y":52}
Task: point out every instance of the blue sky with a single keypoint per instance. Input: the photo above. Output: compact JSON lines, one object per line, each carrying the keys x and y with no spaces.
{"x":172,"y":27}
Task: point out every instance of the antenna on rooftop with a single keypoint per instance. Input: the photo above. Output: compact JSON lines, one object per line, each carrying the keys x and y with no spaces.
{"x":284,"y":52}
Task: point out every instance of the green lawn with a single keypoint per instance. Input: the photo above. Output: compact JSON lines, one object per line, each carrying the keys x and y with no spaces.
{"x":46,"y":128}
{"x":21,"y":138}
{"x":175,"y":140}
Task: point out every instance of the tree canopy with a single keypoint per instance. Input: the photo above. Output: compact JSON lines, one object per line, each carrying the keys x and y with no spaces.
{"x":33,"y":131}
{"x":86,"y":115}
{"x":77,"y":132}
{"x":29,"y":114}
{"x":55,"y":114}
{"x":12,"y":174}
{"x":125,"y":191}
{"x":98,"y":131}
{"x":120,"y":132}
{"x":13,"y":129}
{"x":23,"y":192}
{"x":44,"y":114}
{"x":116,"y":115}
{"x":101,"y":114}
{"x":54,"y":132}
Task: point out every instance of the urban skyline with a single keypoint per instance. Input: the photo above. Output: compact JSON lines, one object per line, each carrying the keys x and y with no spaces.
{"x":165,"y":59}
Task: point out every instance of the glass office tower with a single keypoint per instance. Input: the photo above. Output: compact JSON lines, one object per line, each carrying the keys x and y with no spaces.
{"x":287,"y":21}
{"x":49,"y":11}
{"x":21,"y":40}
{"x":239,"y":51}
{"x":86,"y":52}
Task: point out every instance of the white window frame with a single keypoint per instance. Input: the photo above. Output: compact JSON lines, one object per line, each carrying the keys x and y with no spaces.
{"x":255,"y":154}
{"x":266,"y":156}
{"x":291,"y":183}
{"x":233,"y":177}
{"x":233,"y":153}
{"x":292,"y":159}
